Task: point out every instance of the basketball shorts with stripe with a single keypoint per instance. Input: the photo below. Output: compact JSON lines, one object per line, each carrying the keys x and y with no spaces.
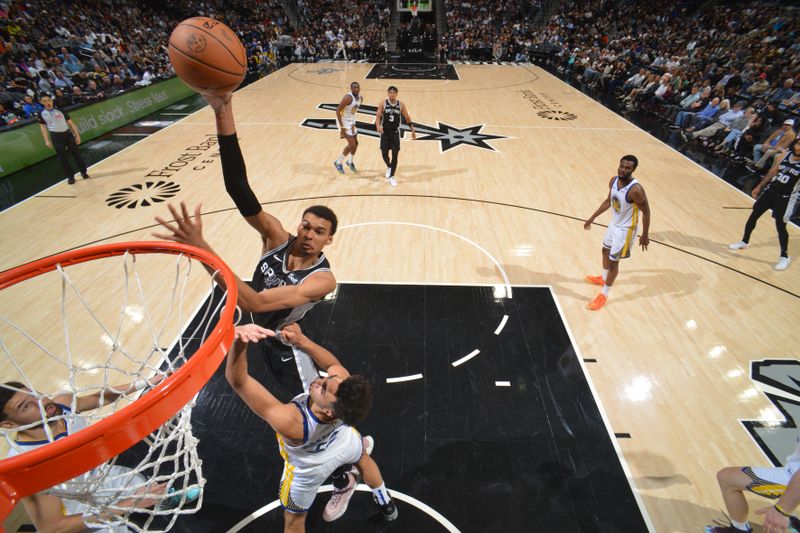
{"x":349,"y":125}
{"x":769,"y":482}
{"x":619,"y":241}
{"x":300,"y":483}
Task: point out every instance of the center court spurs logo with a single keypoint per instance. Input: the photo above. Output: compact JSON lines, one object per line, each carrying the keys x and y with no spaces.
{"x":448,"y":136}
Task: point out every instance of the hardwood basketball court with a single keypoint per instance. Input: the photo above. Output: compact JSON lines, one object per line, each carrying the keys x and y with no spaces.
{"x":509,"y":163}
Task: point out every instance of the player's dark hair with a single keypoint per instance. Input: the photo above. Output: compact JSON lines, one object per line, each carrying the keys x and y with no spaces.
{"x":324,"y":212}
{"x":354,"y":84}
{"x":5,"y":395}
{"x":392,"y":88}
{"x":632,"y":158}
{"x":353,"y":400}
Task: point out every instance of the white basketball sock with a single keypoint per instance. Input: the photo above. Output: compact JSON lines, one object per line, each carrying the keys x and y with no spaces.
{"x":744,"y":526}
{"x":339,"y":159}
{"x":605,"y":274}
{"x":381,"y":494}
{"x":606,"y":290}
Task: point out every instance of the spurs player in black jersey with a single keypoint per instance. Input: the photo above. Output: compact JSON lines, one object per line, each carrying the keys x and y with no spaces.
{"x":292,"y":274}
{"x":778,"y":190}
{"x":387,"y":122}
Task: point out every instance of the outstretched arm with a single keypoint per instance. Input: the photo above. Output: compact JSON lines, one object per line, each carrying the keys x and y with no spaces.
{"x":284,"y":418}
{"x":640,"y":199}
{"x":321,"y":356}
{"x":188,"y":229}
{"x":235,"y":175}
{"x":46,"y":511}
{"x":108,"y":394}
{"x":600,"y":210}
{"x":407,"y":118}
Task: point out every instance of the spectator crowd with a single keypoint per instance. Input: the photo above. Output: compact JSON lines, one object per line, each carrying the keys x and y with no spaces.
{"x":77,"y":52}
{"x":724,"y":77}
{"x":334,"y":30}
{"x":81,"y":51}
{"x":499,"y":30}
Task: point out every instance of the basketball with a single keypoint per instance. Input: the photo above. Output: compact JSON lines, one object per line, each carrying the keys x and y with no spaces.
{"x":207,"y":55}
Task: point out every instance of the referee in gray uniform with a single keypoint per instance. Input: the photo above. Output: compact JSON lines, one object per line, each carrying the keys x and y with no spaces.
{"x":59,"y":132}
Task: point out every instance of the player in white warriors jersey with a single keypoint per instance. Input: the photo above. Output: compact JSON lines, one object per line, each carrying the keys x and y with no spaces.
{"x":315,"y":429}
{"x":67,"y":506}
{"x":628,"y":202}
{"x":346,"y":118}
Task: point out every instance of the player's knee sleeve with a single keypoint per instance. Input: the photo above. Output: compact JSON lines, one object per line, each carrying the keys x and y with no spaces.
{"x":235,"y":176}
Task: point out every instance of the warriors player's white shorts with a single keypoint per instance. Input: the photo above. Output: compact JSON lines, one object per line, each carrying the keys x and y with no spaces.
{"x":770,"y":482}
{"x":619,"y":241}
{"x":300,"y":483}
{"x":349,"y":125}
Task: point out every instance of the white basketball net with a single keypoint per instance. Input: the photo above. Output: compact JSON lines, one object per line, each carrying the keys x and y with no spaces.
{"x":105,"y":333}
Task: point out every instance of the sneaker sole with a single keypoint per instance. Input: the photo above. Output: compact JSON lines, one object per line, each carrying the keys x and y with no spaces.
{"x":343,"y":507}
{"x":335,"y":517}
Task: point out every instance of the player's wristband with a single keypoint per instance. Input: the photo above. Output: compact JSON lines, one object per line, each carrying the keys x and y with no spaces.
{"x":780,"y":510}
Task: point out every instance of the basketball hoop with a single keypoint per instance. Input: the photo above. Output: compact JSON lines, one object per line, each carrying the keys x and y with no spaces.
{"x":414,"y":7}
{"x":162,"y":413}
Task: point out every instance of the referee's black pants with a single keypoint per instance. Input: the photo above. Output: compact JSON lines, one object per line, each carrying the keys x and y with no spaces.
{"x":63,"y":141}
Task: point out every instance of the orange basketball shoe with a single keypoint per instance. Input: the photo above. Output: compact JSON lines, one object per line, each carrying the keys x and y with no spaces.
{"x":595,"y":280}
{"x":598,"y":302}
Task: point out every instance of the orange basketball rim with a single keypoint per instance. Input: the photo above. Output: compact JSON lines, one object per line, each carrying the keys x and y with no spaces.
{"x":66,"y":458}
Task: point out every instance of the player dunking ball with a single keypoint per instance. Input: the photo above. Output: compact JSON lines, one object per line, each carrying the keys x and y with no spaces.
{"x":627,"y":201}
{"x":391,"y":113}
{"x":292,"y":275}
{"x":315,"y":429}
{"x":778,"y":190}
{"x":346,"y":117}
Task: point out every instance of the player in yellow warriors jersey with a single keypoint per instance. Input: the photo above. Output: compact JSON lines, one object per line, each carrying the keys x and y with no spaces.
{"x":628,"y":202}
